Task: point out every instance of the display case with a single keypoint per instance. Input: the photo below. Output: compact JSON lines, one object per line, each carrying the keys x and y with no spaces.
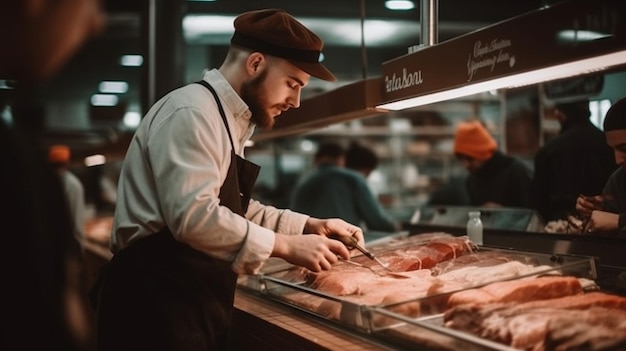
{"x":366,"y":298}
{"x":588,"y":319}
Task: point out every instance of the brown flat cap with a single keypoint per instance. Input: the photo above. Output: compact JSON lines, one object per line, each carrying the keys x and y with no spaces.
{"x":277,"y":33}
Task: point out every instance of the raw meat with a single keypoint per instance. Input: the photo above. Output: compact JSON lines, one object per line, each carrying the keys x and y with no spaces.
{"x":537,"y":325}
{"x":605,"y":332}
{"x":520,"y":290}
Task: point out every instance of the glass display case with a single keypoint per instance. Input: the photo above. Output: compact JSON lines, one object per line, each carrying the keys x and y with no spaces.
{"x":359,"y":295}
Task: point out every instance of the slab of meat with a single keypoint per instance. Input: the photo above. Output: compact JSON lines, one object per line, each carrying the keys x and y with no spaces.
{"x":481,"y":259}
{"x":597,"y":329}
{"x":427,"y":254}
{"x":536,"y":325}
{"x":418,"y":294}
{"x":345,"y":279}
{"x":520,"y":290}
{"x":463,"y":278}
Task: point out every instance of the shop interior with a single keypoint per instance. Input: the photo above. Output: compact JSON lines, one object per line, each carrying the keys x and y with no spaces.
{"x":150,"y":47}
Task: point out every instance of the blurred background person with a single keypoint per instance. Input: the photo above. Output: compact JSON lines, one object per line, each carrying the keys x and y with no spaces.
{"x":606,"y":212}
{"x":59,"y":157}
{"x":333,"y":191}
{"x":361,"y":159}
{"x":494,"y":179}
{"x":452,"y":193}
{"x":43,"y":302}
{"x":576,"y":161}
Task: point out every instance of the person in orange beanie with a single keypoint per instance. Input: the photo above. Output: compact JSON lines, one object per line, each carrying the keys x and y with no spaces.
{"x":495,"y":179}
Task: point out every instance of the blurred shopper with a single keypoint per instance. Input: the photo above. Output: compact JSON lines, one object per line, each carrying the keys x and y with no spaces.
{"x":495,"y":179}
{"x":452,"y":193}
{"x":59,"y":157}
{"x":331,"y":190}
{"x":576,"y":161}
{"x":184,"y":224}
{"x":361,"y":159}
{"x":43,"y":306}
{"x":606,"y":212}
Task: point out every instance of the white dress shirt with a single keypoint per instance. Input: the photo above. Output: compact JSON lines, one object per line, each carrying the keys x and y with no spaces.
{"x":172,"y":174}
{"x":75,"y":194}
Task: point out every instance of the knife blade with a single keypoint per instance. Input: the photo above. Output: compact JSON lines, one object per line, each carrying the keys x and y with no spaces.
{"x":352,"y":242}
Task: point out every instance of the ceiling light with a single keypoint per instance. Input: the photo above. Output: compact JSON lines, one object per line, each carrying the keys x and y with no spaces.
{"x":565,"y":70}
{"x":6,"y":114}
{"x":399,"y":5}
{"x":375,"y":31}
{"x":132,"y":119}
{"x":5,"y":84}
{"x":131,"y":60}
{"x":307,"y":145}
{"x":104,"y":100}
{"x":95,"y":160}
{"x":217,"y":30}
{"x":580,"y":35}
{"x":196,"y":27}
{"x":113,"y":87}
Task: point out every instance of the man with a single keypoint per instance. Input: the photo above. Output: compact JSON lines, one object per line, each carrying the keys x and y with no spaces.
{"x":361,"y":159}
{"x":332,"y":190}
{"x":494,"y":179}
{"x":59,"y":157}
{"x":577,"y":161}
{"x":43,"y":305}
{"x":184,"y":224}
{"x":606,"y":213}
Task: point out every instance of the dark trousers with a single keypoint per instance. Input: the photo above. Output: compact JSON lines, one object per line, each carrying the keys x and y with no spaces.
{"x":159,"y":294}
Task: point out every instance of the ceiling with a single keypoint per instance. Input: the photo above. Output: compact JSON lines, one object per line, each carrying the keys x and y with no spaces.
{"x":66,"y":98}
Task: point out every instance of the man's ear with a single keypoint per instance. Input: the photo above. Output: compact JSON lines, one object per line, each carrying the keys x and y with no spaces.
{"x":255,"y":63}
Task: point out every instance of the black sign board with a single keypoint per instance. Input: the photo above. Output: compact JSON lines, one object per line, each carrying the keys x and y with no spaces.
{"x":521,"y":44}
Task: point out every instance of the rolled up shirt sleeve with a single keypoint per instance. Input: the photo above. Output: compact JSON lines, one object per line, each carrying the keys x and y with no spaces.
{"x":264,"y":223}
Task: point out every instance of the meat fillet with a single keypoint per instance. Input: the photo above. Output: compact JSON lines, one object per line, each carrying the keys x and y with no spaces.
{"x":538,"y":325}
{"x":520,"y":290}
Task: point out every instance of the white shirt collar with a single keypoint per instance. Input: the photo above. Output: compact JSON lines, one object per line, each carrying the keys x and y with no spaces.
{"x":232,"y":103}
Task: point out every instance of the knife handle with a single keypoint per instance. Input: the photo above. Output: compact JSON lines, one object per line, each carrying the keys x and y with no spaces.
{"x":352,"y":242}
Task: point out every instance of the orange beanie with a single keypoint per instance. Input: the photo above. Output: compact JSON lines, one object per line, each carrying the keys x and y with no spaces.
{"x":59,"y":154}
{"x":472,"y":139}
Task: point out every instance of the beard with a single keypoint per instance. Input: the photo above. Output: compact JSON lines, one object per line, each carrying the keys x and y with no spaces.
{"x":254,"y":94}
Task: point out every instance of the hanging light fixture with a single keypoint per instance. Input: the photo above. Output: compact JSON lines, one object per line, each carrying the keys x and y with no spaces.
{"x":524,"y":50}
{"x":399,"y":5}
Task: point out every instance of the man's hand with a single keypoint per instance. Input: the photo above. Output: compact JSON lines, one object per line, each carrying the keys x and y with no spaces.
{"x":333,"y":226}
{"x":587,"y":204}
{"x":601,"y":221}
{"x":315,"y":252}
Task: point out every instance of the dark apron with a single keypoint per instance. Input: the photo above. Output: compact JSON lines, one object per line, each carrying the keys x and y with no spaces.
{"x":161,"y":294}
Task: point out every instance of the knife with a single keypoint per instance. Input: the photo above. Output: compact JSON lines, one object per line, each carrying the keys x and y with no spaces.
{"x":352,"y":242}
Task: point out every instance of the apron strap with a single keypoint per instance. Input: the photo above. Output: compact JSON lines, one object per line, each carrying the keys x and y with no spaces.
{"x":219,"y":107}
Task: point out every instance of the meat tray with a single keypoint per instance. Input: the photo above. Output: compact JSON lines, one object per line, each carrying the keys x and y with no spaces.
{"x":593,"y":319}
{"x":291,"y":286}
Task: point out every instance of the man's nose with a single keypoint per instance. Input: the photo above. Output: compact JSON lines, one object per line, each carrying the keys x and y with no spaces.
{"x":294,"y":99}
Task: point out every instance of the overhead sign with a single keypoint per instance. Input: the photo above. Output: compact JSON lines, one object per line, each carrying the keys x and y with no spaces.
{"x":564,"y":32}
{"x":573,"y":88}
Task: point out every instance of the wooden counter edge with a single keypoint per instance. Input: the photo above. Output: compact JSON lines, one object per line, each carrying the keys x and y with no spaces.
{"x":259,"y":324}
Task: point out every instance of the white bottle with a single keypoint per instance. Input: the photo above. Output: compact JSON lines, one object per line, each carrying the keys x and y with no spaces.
{"x":475,"y":228}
